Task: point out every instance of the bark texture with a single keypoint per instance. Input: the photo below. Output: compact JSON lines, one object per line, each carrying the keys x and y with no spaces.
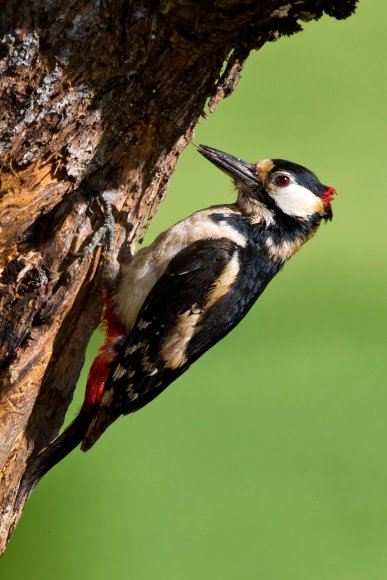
{"x":95,"y":96}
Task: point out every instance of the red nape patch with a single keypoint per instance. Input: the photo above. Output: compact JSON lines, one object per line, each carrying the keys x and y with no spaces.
{"x":100,"y":369}
{"x":329,"y":193}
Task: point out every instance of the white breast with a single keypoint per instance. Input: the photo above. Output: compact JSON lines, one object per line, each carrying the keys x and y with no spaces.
{"x":149,"y":264}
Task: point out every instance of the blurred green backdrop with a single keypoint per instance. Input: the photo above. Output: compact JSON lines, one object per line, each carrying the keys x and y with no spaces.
{"x":268,"y":459}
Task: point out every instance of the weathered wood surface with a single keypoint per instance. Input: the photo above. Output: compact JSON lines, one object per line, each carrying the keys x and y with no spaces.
{"x":95,"y":96}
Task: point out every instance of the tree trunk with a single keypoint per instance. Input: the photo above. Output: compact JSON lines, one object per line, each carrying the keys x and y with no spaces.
{"x":95,"y":96}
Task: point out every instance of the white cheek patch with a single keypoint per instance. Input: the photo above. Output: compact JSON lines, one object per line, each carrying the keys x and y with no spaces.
{"x":296,"y":200}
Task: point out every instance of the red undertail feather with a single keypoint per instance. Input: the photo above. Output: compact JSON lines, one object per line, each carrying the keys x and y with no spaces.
{"x":100,"y":369}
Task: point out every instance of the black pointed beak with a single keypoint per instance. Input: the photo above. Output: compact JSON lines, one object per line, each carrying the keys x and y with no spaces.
{"x":233,"y":166}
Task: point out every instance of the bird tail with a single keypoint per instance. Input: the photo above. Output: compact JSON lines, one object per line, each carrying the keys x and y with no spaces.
{"x":104,"y":417}
{"x":39,"y":464}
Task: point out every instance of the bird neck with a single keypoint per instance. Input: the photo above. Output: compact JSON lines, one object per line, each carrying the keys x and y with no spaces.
{"x":254,"y":210}
{"x":284,"y":236}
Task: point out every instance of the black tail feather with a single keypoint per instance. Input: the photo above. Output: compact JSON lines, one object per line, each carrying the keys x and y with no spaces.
{"x":38,"y":465}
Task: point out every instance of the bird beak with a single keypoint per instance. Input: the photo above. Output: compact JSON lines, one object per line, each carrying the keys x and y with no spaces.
{"x":232,"y":166}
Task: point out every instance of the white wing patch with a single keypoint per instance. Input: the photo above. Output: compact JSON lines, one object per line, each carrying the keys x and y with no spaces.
{"x":173,"y":349}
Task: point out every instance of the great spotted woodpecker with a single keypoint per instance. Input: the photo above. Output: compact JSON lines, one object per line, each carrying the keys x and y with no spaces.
{"x":188,"y":289}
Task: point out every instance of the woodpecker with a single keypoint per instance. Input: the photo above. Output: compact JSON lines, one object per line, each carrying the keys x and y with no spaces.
{"x":187,"y":290}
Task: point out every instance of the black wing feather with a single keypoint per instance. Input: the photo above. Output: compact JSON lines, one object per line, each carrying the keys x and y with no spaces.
{"x":142,"y":372}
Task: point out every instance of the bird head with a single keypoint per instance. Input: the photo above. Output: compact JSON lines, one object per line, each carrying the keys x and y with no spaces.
{"x":275,"y":186}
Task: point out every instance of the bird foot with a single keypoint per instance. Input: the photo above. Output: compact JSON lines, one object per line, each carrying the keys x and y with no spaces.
{"x":104,"y":236}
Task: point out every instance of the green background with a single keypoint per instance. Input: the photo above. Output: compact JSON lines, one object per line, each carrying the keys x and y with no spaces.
{"x":268,"y":459}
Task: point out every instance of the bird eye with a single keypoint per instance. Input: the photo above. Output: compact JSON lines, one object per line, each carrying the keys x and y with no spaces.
{"x":282,"y":180}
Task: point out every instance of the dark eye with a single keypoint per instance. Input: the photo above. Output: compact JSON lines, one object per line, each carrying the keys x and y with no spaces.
{"x":282,"y":180}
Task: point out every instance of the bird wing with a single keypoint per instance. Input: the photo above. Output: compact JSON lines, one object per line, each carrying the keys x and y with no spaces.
{"x":181,"y":318}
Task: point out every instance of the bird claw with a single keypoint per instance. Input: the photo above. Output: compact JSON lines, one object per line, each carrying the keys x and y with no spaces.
{"x":104,"y":236}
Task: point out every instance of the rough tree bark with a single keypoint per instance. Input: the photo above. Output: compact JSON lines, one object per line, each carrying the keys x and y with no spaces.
{"x":95,"y":96}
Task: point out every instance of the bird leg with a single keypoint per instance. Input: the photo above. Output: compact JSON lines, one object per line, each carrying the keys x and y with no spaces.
{"x":104,"y":236}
